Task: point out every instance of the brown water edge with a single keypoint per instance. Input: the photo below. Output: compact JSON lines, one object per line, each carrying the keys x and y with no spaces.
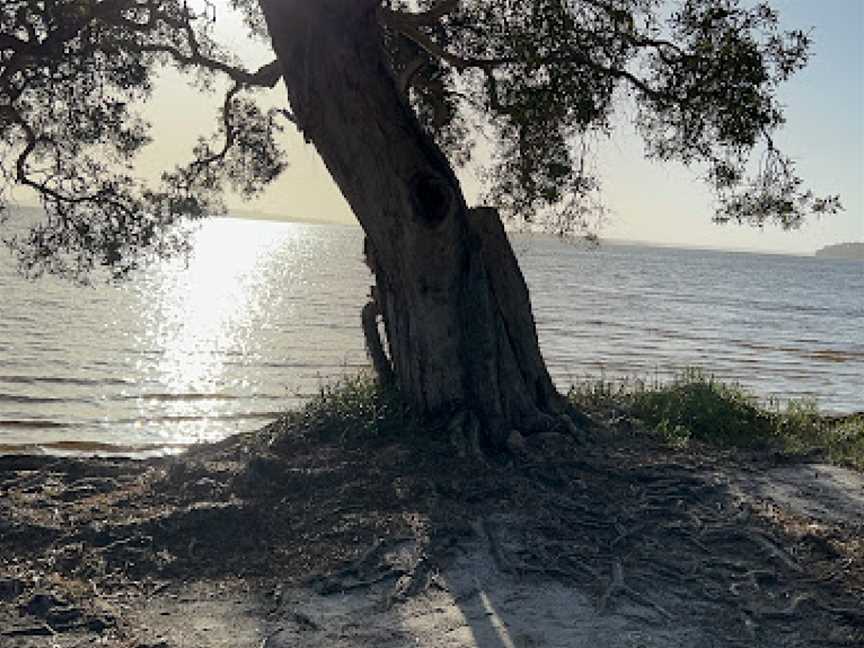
{"x":292,"y":537}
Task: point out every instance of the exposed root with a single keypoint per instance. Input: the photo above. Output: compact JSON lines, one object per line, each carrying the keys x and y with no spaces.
{"x":570,"y":428}
{"x":470,"y":440}
{"x":415,"y":581}
{"x":790,"y":612}
{"x":43,"y":630}
{"x":464,"y":432}
{"x":670,"y":530}
{"x":501,"y":561}
{"x":369,"y":569}
{"x":611,"y":523}
{"x":616,"y":587}
{"x":735,"y":533}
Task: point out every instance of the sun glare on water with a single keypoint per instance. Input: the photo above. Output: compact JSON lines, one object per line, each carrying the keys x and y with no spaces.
{"x":205,"y":314}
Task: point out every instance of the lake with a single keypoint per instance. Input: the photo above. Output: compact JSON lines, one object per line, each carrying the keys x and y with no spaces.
{"x":266,"y":313}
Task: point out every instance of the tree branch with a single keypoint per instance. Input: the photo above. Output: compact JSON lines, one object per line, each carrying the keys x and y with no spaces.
{"x":488,"y":65}
{"x":407,"y":75}
{"x":110,"y":13}
{"x":266,"y":76}
{"x":230,"y":136}
{"x":13,"y":43}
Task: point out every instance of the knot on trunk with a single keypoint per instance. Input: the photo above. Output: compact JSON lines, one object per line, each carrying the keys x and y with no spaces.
{"x":432,"y":198}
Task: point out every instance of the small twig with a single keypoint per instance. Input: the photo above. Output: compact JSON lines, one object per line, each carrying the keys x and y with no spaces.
{"x":756,"y":537}
{"x":615,"y":587}
{"x":626,"y":533}
{"x":43,"y":630}
{"x":267,"y":639}
{"x":495,"y":547}
{"x":644,"y":600}
{"x":789,"y":612}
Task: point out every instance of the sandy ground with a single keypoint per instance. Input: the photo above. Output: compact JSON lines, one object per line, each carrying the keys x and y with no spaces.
{"x":471,"y":605}
{"x":325,"y":545}
{"x":819,"y":492}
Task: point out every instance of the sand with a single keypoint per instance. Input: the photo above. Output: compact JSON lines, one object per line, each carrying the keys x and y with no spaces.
{"x":263,"y":542}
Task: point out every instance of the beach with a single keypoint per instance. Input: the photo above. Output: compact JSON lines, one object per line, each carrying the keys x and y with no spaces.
{"x":294,"y":536}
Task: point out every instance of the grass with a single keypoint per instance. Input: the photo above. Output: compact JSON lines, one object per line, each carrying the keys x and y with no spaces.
{"x":697,"y":407}
{"x":692,"y":407}
{"x":356,"y":408}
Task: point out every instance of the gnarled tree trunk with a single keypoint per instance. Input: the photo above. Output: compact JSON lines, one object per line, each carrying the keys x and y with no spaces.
{"x":461,"y":336}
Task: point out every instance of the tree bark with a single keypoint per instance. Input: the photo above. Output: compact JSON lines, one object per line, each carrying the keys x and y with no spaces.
{"x":460,"y":332}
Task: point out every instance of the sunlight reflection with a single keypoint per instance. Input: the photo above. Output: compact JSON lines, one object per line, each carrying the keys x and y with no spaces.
{"x":205,"y":313}
{"x":495,"y":621}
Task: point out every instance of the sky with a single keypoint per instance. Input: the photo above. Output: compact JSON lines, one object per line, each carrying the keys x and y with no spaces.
{"x":651,"y":202}
{"x":824,"y":133}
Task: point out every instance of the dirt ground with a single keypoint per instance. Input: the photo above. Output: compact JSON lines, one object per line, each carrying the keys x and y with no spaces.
{"x":288,"y":538}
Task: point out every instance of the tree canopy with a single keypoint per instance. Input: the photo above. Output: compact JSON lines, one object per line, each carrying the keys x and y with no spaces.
{"x":535,"y":78}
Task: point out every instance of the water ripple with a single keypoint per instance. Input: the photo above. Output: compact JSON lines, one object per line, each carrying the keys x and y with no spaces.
{"x":266,"y":313}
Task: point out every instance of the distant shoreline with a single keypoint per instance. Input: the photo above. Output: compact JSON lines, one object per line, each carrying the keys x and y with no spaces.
{"x":853,"y":251}
{"x":825,"y":252}
{"x":279,"y":218}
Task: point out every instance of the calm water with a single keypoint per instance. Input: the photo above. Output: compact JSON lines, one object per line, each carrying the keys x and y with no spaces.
{"x":265,"y":313}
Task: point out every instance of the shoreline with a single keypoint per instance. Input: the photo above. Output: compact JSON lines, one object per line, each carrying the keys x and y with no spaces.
{"x":93,"y":449}
{"x":591,"y":395}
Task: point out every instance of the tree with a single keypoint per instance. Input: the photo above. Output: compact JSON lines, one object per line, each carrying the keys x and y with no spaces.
{"x":392,"y":93}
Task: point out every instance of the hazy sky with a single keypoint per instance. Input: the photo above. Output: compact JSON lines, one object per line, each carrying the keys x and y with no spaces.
{"x":824,"y":133}
{"x":648,"y":201}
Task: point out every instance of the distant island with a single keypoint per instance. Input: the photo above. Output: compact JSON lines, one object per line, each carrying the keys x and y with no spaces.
{"x":842,"y":251}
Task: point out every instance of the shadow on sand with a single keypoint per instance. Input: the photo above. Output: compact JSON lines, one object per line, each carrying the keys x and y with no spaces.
{"x":285,"y":538}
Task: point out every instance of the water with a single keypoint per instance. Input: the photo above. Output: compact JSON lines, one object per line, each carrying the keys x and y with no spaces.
{"x":783,"y":326}
{"x":266,"y":313}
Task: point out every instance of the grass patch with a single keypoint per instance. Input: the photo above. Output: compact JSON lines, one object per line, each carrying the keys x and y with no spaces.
{"x":356,"y":408}
{"x":697,"y":407}
{"x":691,"y":407}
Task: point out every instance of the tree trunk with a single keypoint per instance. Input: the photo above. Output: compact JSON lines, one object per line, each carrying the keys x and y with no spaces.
{"x":461,"y":336}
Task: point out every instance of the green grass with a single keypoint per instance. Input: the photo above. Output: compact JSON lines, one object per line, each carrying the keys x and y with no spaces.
{"x":356,"y":408}
{"x":697,"y":407}
{"x":692,"y":407}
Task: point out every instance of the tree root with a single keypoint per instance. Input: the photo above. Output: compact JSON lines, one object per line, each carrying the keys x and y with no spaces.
{"x":565,"y":422}
{"x":733,"y":533}
{"x":43,"y":630}
{"x":787,"y":613}
{"x":498,"y":556}
{"x":617,"y":587}
{"x":365,"y":571}
{"x":412,"y":582}
{"x":464,"y":432}
{"x":666,"y":528}
{"x":657,"y":528}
